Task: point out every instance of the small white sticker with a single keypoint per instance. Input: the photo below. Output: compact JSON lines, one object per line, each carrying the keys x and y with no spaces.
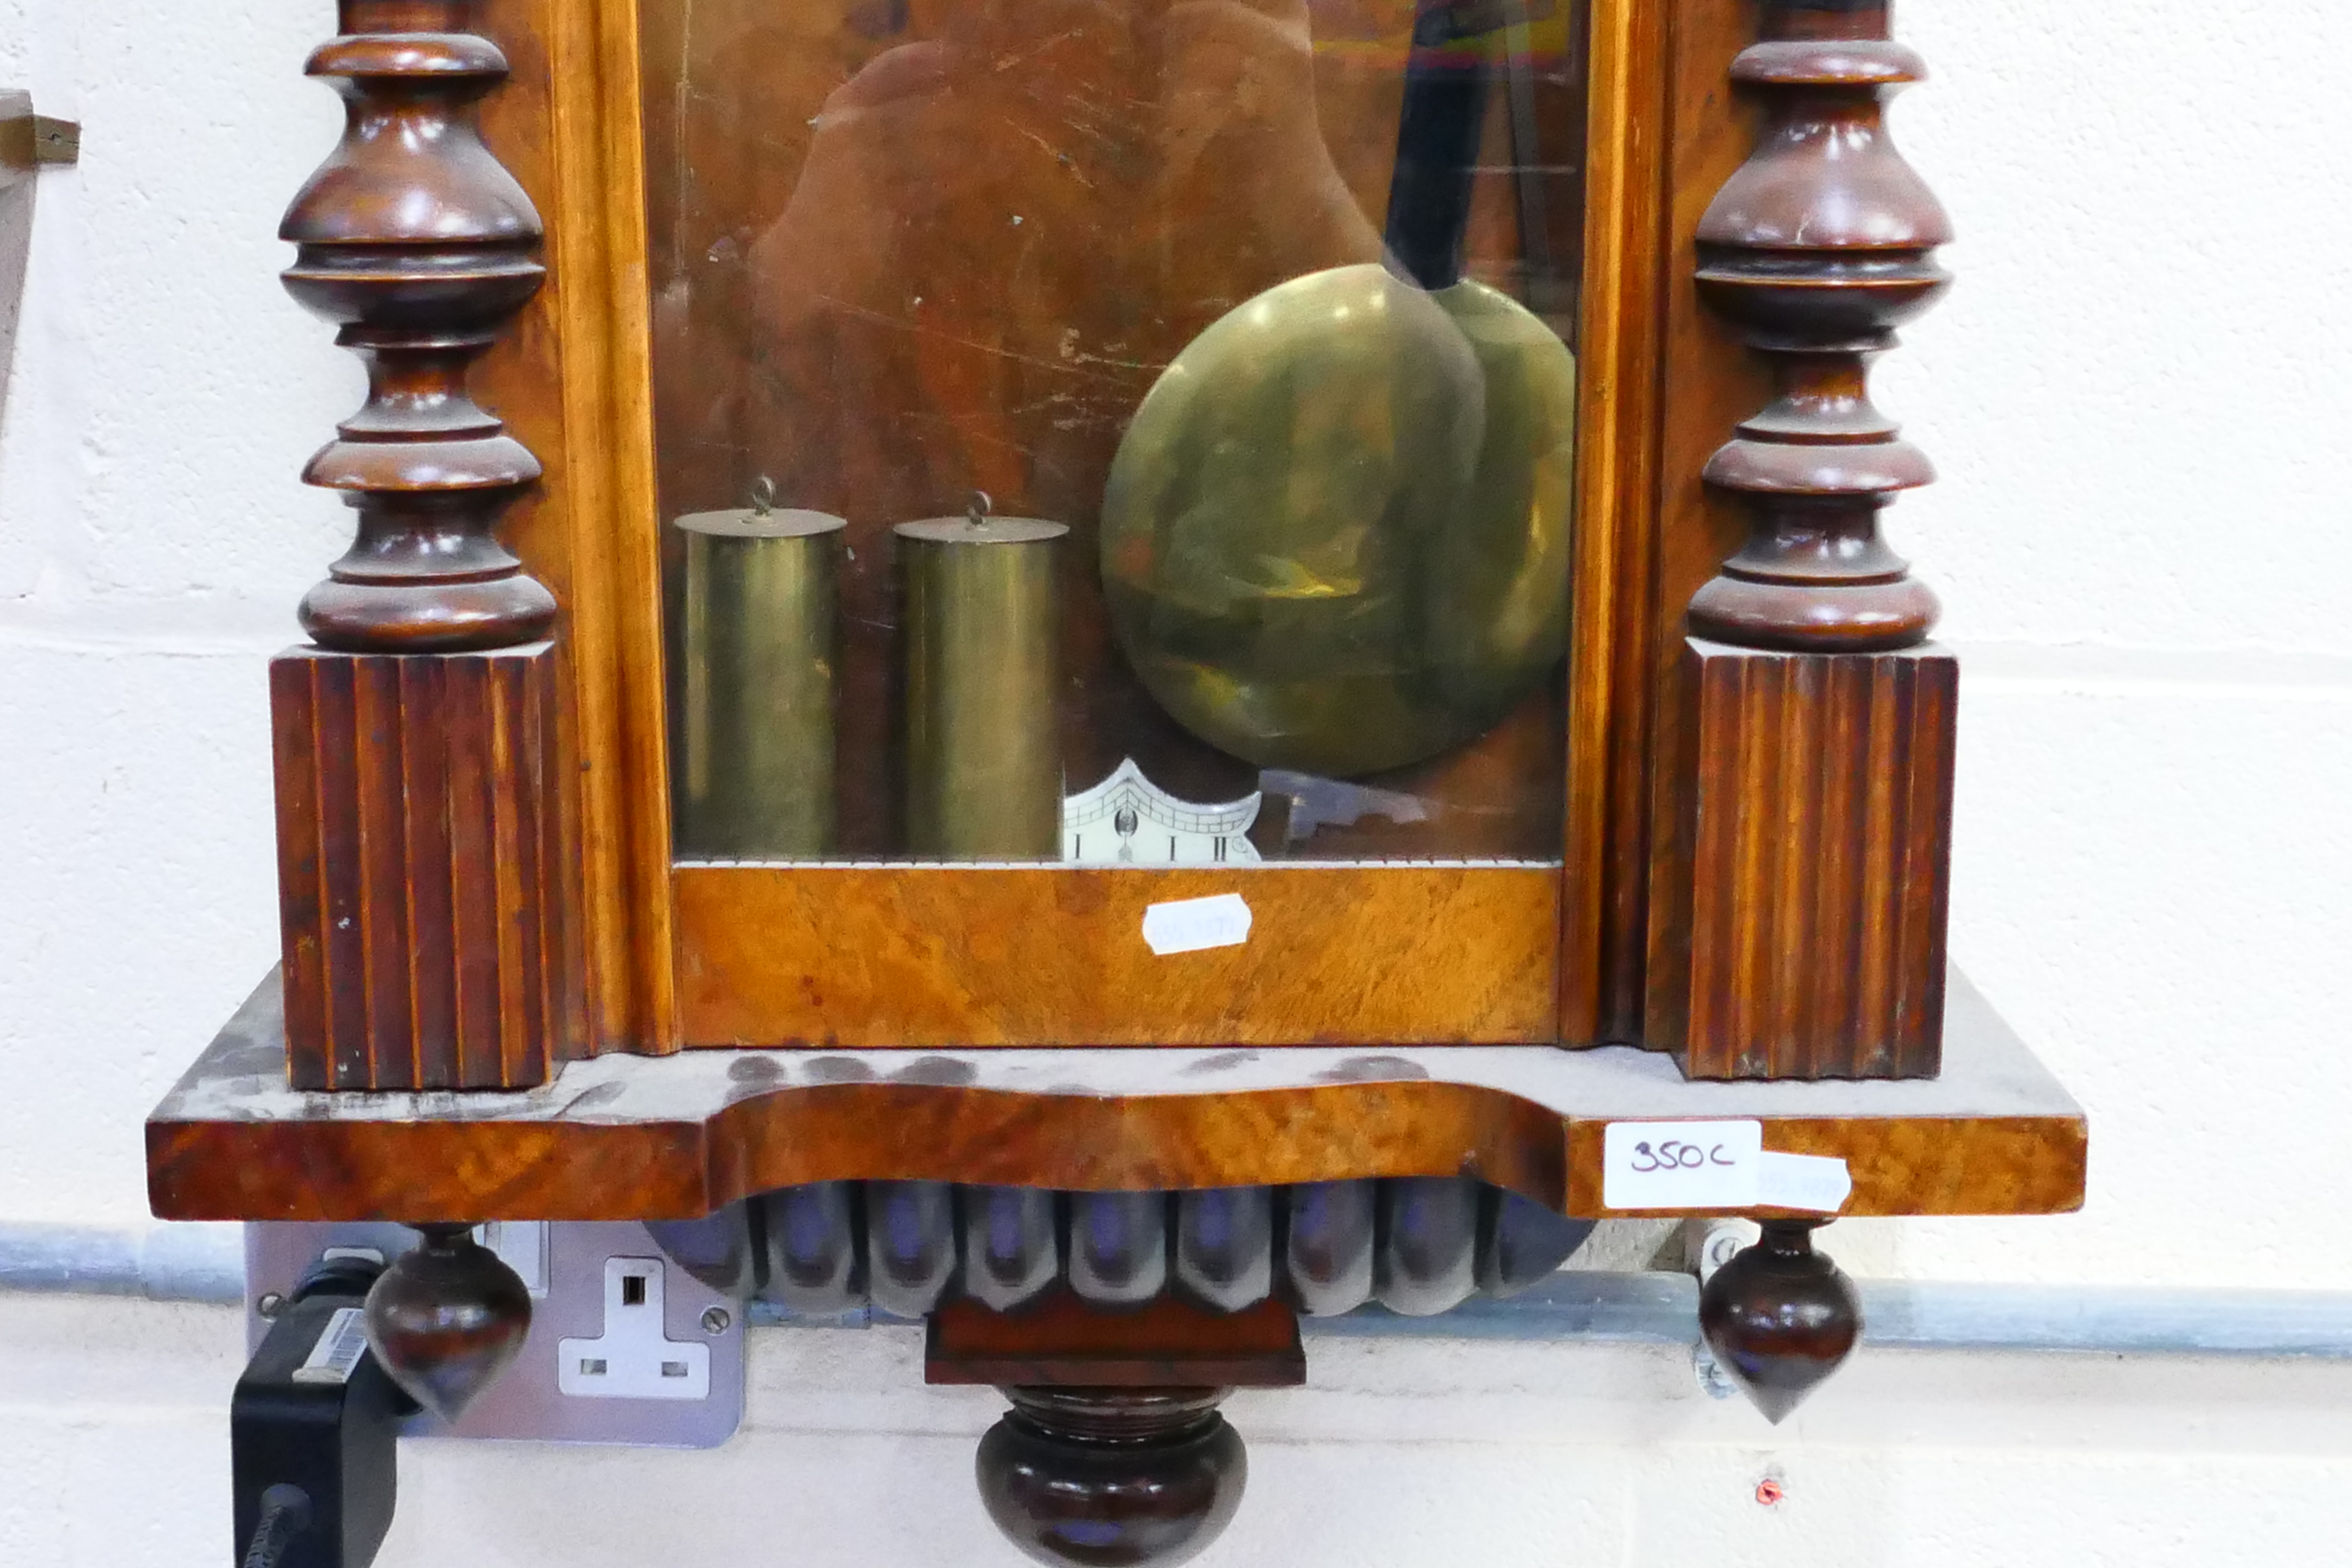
{"x":337,"y":1354}
{"x":1190,"y":925}
{"x":1818,"y":1183}
{"x":1681,"y":1165}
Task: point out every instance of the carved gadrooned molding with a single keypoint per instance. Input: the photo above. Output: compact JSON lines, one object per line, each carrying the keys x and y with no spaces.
{"x":419,"y":247}
{"x":1816,"y":250}
{"x":1416,"y":1245}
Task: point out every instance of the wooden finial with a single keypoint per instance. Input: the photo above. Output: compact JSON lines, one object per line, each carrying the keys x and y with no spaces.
{"x":1780,"y":1317}
{"x":419,"y":247}
{"x":1819,"y":247}
{"x":446,"y":1319}
{"x":1147,"y":1477}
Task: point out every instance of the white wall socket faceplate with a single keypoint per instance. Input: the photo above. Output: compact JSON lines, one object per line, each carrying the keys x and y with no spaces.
{"x":634,"y":1357}
{"x":670,"y":1346}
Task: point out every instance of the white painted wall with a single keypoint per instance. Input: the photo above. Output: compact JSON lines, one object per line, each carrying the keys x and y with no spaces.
{"x":114,"y":1453}
{"x":2138,"y":393}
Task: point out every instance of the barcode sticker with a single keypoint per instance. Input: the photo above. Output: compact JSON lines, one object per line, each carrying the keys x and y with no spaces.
{"x":338,"y":1351}
{"x":1819,"y":1183}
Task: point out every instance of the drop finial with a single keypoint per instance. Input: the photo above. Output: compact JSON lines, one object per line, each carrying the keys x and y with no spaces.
{"x":1780,"y":1317}
{"x":446,"y":1319}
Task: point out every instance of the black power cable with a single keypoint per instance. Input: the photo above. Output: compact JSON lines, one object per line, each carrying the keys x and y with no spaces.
{"x":285,"y":1514}
{"x":313,"y":1458}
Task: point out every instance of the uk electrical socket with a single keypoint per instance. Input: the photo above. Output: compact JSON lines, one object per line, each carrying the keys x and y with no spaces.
{"x":634,"y":1357}
{"x":580,"y":1279}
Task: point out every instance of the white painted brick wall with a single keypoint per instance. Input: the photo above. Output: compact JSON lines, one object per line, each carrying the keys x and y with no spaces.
{"x":113,"y":1452}
{"x":2139,"y":397}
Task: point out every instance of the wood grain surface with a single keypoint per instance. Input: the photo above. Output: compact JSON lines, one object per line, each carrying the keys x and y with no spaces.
{"x":420,"y":247}
{"x":1612,"y":626}
{"x":419,"y":914}
{"x":953,"y":955}
{"x":624,"y":1136}
{"x":634,"y":206}
{"x":1709,"y":383}
{"x":842,"y":306}
{"x":564,"y":379}
{"x":1820,"y":828}
{"x":576,"y":380}
{"x":600,"y":317}
{"x":1816,"y":249}
{"x":419,"y":815}
{"x":1062,"y":1341}
{"x":1801,"y":812}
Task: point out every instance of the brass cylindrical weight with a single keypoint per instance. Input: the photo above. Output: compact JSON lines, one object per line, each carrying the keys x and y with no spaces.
{"x":758,"y":684}
{"x":980,"y":631}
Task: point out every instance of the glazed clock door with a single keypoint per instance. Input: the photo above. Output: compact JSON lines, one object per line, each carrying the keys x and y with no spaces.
{"x":1129,"y":438}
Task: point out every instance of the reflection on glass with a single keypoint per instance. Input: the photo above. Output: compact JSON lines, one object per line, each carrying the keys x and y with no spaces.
{"x":1262,"y":301}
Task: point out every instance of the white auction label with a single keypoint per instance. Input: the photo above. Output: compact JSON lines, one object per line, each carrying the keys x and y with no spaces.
{"x":1193,"y":925}
{"x":1818,"y":1183}
{"x":1681,"y":1165}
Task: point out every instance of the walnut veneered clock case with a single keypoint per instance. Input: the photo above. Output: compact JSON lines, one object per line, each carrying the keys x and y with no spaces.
{"x":1318,"y":564}
{"x":1359,"y":384}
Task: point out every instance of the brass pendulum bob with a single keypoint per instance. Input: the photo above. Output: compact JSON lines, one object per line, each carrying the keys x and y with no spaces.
{"x":446,"y":1319}
{"x":1112,"y":1477}
{"x":1780,"y":1317}
{"x":1335,"y":538}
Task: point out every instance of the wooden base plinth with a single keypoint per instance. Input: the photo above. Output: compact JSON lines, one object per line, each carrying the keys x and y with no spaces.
{"x":623,"y":1137}
{"x":416,"y":872}
{"x":1813,"y":866}
{"x":1059,"y":1341}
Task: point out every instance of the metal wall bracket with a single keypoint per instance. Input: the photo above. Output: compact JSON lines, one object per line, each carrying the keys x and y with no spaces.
{"x":572,"y":1271}
{"x":24,"y":137}
{"x":1708,"y":1244}
{"x":29,"y":141}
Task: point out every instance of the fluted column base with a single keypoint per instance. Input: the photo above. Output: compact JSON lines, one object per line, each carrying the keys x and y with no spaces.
{"x":1804,"y":936}
{"x":418,"y":868}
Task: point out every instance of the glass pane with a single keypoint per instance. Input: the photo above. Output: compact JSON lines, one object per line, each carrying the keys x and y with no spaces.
{"x":1115,"y":429}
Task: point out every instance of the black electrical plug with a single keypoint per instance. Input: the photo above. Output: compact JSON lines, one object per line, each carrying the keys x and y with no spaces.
{"x":313,"y":1429}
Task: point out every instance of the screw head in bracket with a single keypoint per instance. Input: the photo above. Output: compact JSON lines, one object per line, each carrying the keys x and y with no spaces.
{"x":271,"y":1304}
{"x":1713,"y":1380}
{"x":715,"y":1320}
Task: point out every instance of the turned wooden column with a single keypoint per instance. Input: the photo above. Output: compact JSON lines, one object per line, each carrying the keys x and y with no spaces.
{"x":1816,"y":767}
{"x":414,"y":739}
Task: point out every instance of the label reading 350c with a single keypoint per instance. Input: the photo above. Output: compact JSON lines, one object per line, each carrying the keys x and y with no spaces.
{"x":1681,"y":1165}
